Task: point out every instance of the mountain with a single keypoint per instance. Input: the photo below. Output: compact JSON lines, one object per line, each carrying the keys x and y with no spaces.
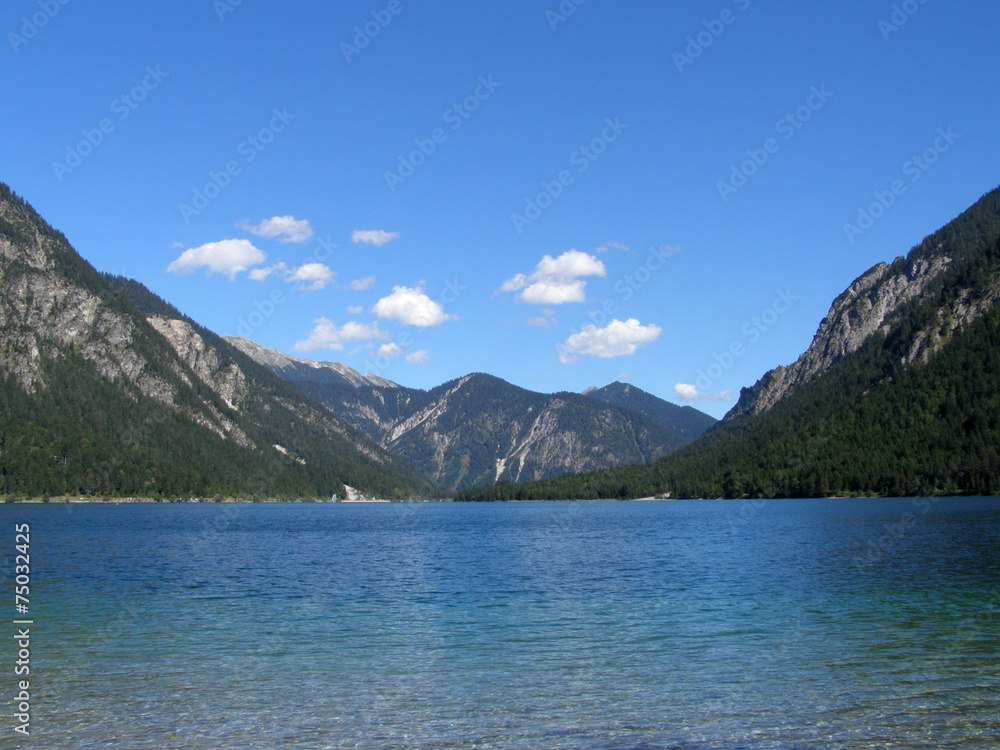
{"x":105,"y":389}
{"x":371,"y":404}
{"x":306,"y":370}
{"x":686,"y":421}
{"x":478,"y":428}
{"x":898,"y":393}
{"x":882,"y":302}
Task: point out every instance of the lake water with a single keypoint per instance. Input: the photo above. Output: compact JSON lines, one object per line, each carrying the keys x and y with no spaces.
{"x":687,"y":625}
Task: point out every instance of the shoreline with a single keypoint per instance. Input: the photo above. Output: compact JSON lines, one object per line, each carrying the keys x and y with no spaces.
{"x":195,"y":501}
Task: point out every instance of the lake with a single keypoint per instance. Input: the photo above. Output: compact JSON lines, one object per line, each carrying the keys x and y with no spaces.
{"x":685,"y":625}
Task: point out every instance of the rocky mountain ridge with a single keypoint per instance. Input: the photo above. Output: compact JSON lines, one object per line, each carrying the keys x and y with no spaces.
{"x":279,"y":362}
{"x":686,"y":421}
{"x":877,"y":301}
{"x":479,"y":428}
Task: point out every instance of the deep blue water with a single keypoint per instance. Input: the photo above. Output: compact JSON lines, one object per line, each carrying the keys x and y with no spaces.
{"x":779,"y":624}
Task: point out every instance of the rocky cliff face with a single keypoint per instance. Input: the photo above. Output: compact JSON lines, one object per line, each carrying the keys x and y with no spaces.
{"x":40,"y":313}
{"x":293,"y":368}
{"x":876,"y":304}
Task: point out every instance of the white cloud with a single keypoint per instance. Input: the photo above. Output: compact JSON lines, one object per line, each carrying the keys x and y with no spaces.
{"x":514,"y":283}
{"x":557,"y":293}
{"x":262,"y":274}
{"x":176,"y":245}
{"x":311,"y":276}
{"x":284,"y":228}
{"x":361,"y":284}
{"x":616,"y":339}
{"x":689,"y":392}
{"x":328,"y":335}
{"x":609,"y":246}
{"x":419,"y":357}
{"x":390,"y":350}
{"x":355,"y":309}
{"x":411,"y":307}
{"x":556,"y":281}
{"x":377,"y":237}
{"x":227,"y":257}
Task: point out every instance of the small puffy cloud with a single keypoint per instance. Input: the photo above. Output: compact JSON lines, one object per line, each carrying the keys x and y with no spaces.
{"x":515,"y":283}
{"x":556,"y":281}
{"x":688,"y":392}
{"x":557,"y":293}
{"x":419,"y":357}
{"x":328,"y":335}
{"x":617,"y":339}
{"x":377,"y":237}
{"x":262,"y":274}
{"x":411,"y":307}
{"x":226,"y":257}
{"x":355,"y":309}
{"x":176,"y":245}
{"x":607,"y":247}
{"x":390,"y":350}
{"x":310,"y":276}
{"x":360,"y":285}
{"x":282,"y":228}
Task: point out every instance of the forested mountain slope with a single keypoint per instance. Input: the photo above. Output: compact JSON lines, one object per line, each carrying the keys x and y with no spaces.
{"x":105,"y":389}
{"x":899,"y":394}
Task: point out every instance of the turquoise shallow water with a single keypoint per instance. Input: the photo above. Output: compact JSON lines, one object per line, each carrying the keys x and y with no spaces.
{"x":779,"y":624}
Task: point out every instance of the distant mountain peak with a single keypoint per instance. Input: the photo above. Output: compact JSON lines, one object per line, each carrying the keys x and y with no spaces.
{"x":686,"y":421}
{"x":281,"y":362}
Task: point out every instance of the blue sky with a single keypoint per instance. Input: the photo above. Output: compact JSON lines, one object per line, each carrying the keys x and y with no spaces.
{"x":560,"y":194}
